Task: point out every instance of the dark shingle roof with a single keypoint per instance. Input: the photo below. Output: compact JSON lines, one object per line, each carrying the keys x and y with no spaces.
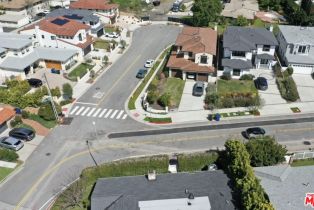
{"x":237,"y":38}
{"x":236,"y":63}
{"x":76,"y":14}
{"x":125,"y":192}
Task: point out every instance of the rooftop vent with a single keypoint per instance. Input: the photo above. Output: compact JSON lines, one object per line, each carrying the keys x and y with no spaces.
{"x":151,"y":176}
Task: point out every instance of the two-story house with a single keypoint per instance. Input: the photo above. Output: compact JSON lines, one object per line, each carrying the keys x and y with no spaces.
{"x":246,"y":49}
{"x":296,"y":48}
{"x":103,"y":8}
{"x":193,"y":54}
{"x":19,"y":58}
{"x":84,"y":16}
{"x":61,"y":32}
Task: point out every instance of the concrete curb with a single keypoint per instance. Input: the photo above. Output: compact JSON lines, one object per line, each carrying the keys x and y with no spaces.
{"x":12,"y":174}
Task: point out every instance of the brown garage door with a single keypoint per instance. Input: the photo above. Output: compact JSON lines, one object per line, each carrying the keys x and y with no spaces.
{"x":176,"y":73}
{"x":202,"y":77}
{"x":53,"y":64}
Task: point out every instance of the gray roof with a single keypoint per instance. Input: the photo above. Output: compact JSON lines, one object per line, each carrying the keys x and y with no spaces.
{"x":238,"y":38}
{"x":2,"y":50}
{"x":10,"y":17}
{"x":14,"y":41}
{"x":297,"y":34}
{"x":79,"y":15}
{"x":265,"y":56}
{"x":236,"y":63}
{"x":286,"y":186}
{"x":20,"y":63}
{"x":124,"y":193}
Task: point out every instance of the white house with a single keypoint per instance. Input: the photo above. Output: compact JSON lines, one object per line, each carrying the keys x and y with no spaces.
{"x":246,"y":49}
{"x":296,"y":48}
{"x":60,"y":3}
{"x":60,"y":32}
{"x":193,"y":54}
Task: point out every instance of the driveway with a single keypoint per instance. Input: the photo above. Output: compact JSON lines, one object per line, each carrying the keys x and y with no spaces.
{"x":188,"y":101}
{"x":305,"y":85}
{"x":271,"y":96}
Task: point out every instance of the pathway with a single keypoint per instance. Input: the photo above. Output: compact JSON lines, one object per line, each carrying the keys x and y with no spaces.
{"x":40,"y":130}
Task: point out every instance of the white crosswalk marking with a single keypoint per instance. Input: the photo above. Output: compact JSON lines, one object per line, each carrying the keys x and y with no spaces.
{"x":80,"y":110}
{"x":120,"y":114}
{"x":114,"y":114}
{"x":124,"y":116}
{"x":102,"y":113}
{"x":91,"y":112}
{"x":96,"y":113}
{"x":74,"y":110}
{"x":108,"y":113}
{"x":85,"y":111}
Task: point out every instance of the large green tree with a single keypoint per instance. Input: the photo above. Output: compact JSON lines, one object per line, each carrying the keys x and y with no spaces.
{"x":265,"y":151}
{"x":306,"y":5}
{"x":206,"y":11}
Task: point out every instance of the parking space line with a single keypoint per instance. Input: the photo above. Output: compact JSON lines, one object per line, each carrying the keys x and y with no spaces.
{"x":108,"y":113}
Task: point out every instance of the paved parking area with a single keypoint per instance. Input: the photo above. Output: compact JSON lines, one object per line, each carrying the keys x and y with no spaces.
{"x":188,"y":101}
{"x":54,"y":80}
{"x":305,"y":85}
{"x":271,"y":96}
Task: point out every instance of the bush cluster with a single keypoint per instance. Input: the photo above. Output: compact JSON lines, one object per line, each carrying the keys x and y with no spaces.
{"x":288,"y":88}
{"x":164,"y":100}
{"x":46,"y":111}
{"x":247,"y":77}
{"x":16,"y":121}
{"x":8,"y":155}
{"x":226,"y":76}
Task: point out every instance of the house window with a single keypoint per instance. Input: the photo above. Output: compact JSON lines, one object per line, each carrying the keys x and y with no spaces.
{"x":236,"y":72}
{"x":302,"y":49}
{"x":204,"y":59}
{"x":80,"y":37}
{"x":238,"y":53}
{"x":43,"y":36}
{"x":190,"y":54}
{"x":266,"y":48}
{"x":53,"y":38}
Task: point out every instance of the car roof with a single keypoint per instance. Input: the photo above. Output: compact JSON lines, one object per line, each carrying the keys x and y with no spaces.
{"x":23,"y":130}
{"x":10,"y":140}
{"x":262,"y":79}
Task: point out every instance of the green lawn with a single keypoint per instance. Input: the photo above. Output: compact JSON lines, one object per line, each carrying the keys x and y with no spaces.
{"x":80,"y":71}
{"x":158,"y":120}
{"x":258,"y":23}
{"x":43,"y":122}
{"x":131,"y":167}
{"x":174,"y":86}
{"x":4,"y":172}
{"x":101,"y":44}
{"x":109,"y":29}
{"x":304,"y":162}
{"x":130,"y":5}
{"x":236,"y":86}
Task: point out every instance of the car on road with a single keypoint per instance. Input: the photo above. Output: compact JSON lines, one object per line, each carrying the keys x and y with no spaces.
{"x":22,"y":133}
{"x":112,"y":35}
{"x":33,"y":82}
{"x":261,"y":83}
{"x":254,"y":132}
{"x":198,"y":89}
{"x":11,"y":143}
{"x":141,"y":73}
{"x":173,"y":164}
{"x":149,"y":63}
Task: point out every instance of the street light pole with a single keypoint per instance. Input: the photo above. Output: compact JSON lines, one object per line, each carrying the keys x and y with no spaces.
{"x":51,"y":99}
{"x":94,"y":124}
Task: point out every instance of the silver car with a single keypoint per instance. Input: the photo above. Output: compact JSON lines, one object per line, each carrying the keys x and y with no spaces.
{"x":11,"y":143}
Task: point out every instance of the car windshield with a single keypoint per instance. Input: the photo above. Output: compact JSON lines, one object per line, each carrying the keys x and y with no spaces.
{"x":17,"y":143}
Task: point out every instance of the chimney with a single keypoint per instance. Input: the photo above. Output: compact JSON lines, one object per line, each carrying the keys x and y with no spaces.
{"x":151,"y":176}
{"x":271,"y":28}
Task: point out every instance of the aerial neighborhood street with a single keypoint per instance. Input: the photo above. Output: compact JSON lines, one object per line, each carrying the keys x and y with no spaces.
{"x":148,"y":104}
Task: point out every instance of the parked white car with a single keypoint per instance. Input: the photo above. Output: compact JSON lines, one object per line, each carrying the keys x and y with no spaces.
{"x":112,"y":35}
{"x":149,"y":63}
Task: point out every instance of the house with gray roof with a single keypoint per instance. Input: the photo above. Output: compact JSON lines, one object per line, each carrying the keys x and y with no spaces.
{"x":287,"y":186}
{"x":84,"y":16}
{"x":185,"y":191}
{"x":18,"y":56}
{"x":296,"y":48}
{"x":246,"y":49}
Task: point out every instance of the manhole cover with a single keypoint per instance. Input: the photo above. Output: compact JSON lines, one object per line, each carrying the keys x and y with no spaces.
{"x":307,"y":143}
{"x":48,"y":154}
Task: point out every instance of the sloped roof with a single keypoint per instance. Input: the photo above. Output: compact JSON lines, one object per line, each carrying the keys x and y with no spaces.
{"x":69,"y":28}
{"x":93,"y":4}
{"x":17,"y":4}
{"x":236,"y":63}
{"x":237,"y":38}
{"x":80,"y":15}
{"x":6,"y":114}
{"x":198,"y":40}
{"x":14,"y":41}
{"x":298,"y":34}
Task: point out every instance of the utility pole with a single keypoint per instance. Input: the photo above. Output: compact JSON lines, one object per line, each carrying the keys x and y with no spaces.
{"x":51,"y":99}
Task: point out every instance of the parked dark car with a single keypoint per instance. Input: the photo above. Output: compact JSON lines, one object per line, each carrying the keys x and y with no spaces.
{"x":261,"y":83}
{"x":22,"y":134}
{"x":156,"y":2}
{"x":33,"y":82}
{"x":254,"y":132}
{"x":11,"y":143}
{"x":141,"y":73}
{"x":41,"y":14}
{"x":198,"y":89}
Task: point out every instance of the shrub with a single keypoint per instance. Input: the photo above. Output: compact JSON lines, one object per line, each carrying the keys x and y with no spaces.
{"x":288,"y":89}
{"x":277,"y":70}
{"x":13,"y":123}
{"x":211,"y":98}
{"x":226,"y":76}
{"x":25,"y":114}
{"x":164,"y":100}
{"x":56,"y":92}
{"x":65,"y":102}
{"x":289,"y":70}
{"x":67,"y":90}
{"x":18,"y":119}
{"x":46,"y":111}
{"x":227,"y":102}
{"x":247,"y":77}
{"x":152,"y":96}
{"x":8,"y":155}
{"x":152,"y":87}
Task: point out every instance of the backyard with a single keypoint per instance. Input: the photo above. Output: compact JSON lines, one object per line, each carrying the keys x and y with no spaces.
{"x":79,"y":71}
{"x":130,"y":167}
{"x":101,"y":44}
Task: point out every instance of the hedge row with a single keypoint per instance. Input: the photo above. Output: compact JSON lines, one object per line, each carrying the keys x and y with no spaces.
{"x":288,"y":88}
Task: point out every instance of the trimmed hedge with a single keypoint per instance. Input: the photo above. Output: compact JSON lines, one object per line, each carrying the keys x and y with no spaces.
{"x":288,"y":89}
{"x":158,"y":120}
{"x":8,"y":155}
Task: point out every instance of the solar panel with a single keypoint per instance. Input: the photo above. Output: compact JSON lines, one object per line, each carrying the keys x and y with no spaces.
{"x":60,"y":22}
{"x":74,"y":17}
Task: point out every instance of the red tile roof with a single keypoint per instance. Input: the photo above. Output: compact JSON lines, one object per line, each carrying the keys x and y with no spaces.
{"x":70,"y":28}
{"x":175,"y":62}
{"x":6,"y":114}
{"x":198,"y":40}
{"x":93,"y":4}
